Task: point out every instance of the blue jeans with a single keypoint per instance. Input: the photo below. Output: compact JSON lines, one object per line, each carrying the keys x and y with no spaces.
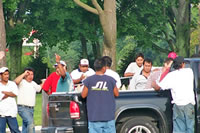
{"x":102,"y":127}
{"x":183,"y":118}
{"x":27,"y":117}
{"x":12,"y":124}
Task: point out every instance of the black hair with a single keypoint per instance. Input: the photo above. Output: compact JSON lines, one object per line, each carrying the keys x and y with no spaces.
{"x":108,"y":61}
{"x":148,"y":61}
{"x":99,"y":64}
{"x":168,"y":60}
{"x":29,"y":69}
{"x":177,"y":65}
{"x":139,"y":55}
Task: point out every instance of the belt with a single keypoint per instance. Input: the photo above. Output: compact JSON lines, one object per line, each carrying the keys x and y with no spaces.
{"x":30,"y":107}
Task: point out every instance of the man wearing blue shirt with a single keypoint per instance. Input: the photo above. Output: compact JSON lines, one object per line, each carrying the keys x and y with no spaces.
{"x":100,"y":91}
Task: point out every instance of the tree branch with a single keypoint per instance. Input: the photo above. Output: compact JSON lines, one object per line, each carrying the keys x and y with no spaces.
{"x":86,"y":7}
{"x":159,"y":48}
{"x":97,"y":6}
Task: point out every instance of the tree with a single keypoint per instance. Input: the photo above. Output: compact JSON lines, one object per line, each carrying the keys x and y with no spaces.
{"x":107,"y":17}
{"x":2,"y":35}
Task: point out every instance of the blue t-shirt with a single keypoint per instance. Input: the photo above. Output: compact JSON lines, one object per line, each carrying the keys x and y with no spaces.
{"x":66,"y":84}
{"x":100,"y":99}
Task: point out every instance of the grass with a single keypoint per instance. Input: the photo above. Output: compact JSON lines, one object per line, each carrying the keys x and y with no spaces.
{"x":37,"y":112}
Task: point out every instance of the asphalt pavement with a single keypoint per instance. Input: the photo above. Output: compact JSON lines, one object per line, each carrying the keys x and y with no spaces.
{"x":37,"y":129}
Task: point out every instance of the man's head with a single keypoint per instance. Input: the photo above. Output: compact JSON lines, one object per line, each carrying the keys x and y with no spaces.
{"x":178,"y":62}
{"x":4,"y":72}
{"x":108,"y":61}
{"x":99,"y":65}
{"x":139,"y":58}
{"x":147,"y":65}
{"x":30,"y":74}
{"x":168,"y":62}
{"x":84,"y":65}
{"x":63,"y":64}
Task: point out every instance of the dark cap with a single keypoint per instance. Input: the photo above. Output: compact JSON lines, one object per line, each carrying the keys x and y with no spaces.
{"x":179,"y":60}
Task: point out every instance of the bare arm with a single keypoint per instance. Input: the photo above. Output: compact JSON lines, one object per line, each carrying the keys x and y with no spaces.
{"x":84,"y":92}
{"x":129,"y":74}
{"x":155,"y":86}
{"x":60,"y":67}
{"x":20,"y":77}
{"x":76,"y":81}
{"x":116,"y":92}
{"x":8,"y":94}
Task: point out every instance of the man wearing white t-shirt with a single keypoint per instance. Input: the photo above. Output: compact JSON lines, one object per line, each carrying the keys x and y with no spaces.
{"x":109,"y":72}
{"x":82,"y":72}
{"x":8,"y":106}
{"x":26,"y":99}
{"x":180,"y":82}
{"x":135,"y":67}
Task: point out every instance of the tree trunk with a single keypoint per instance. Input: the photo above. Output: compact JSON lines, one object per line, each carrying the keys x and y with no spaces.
{"x":84,"y":47}
{"x":96,"y":50}
{"x":15,"y":59}
{"x":2,"y":35}
{"x":109,"y":24}
{"x":199,"y":26}
{"x":182,"y":16}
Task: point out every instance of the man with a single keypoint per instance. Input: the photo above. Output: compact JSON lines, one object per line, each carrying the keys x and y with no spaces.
{"x":180,"y":82}
{"x":82,"y":72}
{"x":26,"y":99}
{"x":65,"y":83}
{"x":139,"y":81}
{"x":8,"y":106}
{"x":159,"y":74}
{"x":135,"y":67}
{"x":109,"y":72}
{"x":100,"y":91}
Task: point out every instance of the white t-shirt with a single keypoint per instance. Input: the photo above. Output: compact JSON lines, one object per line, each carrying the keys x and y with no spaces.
{"x":8,"y":106}
{"x":133,"y":68}
{"x":76,"y":74}
{"x":27,"y":93}
{"x":114,"y":75}
{"x":138,"y":82}
{"x":180,"y":82}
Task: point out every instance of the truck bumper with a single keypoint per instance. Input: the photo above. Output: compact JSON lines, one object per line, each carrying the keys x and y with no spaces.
{"x":57,"y":130}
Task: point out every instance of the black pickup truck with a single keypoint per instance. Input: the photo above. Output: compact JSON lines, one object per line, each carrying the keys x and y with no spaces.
{"x":145,"y":111}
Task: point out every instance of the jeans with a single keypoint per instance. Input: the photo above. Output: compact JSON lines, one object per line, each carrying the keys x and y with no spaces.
{"x":12,"y":124}
{"x":102,"y":127}
{"x":26,"y":114}
{"x":183,"y":118}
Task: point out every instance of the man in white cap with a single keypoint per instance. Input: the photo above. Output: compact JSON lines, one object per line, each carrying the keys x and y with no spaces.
{"x":8,"y":106}
{"x":82,"y":72}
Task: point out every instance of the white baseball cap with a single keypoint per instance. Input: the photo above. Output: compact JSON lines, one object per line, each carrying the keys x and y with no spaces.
{"x":84,"y":62}
{"x":61,"y":62}
{"x":3,"y":69}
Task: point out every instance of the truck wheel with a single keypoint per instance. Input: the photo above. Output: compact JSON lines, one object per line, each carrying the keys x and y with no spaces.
{"x":139,"y":125}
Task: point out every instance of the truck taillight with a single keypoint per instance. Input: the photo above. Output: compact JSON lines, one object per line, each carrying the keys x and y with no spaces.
{"x":74,"y":110}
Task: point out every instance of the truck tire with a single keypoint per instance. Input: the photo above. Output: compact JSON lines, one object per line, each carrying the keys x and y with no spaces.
{"x":140,"y":124}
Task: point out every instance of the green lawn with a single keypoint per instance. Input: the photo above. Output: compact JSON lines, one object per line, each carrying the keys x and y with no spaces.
{"x":37,"y":112}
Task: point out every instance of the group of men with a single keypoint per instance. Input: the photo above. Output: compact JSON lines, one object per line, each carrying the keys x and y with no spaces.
{"x":99,"y":86}
{"x":173,"y":76}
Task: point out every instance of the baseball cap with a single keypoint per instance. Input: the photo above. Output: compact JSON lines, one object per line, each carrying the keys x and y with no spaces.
{"x":172,"y":55}
{"x":3,"y":69}
{"x":179,"y":60}
{"x":61,"y":62}
{"x":84,"y":62}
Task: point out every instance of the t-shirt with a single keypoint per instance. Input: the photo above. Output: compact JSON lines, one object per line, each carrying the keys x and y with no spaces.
{"x":76,"y":74}
{"x":66,"y":84}
{"x":51,"y":83}
{"x":100,"y":99}
{"x":133,"y":68}
{"x":8,"y":106}
{"x":115,"y":75}
{"x":27,"y":93}
{"x":180,"y":82}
